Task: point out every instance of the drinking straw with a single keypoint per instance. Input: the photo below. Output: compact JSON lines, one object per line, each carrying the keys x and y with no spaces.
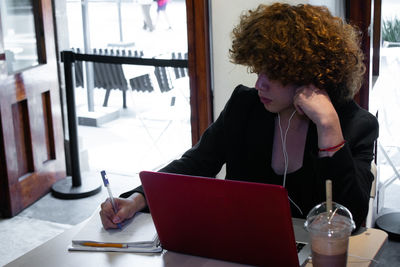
{"x":328,"y":189}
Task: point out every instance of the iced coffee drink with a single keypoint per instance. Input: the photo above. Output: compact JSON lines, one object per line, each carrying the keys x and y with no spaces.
{"x":329,"y":232}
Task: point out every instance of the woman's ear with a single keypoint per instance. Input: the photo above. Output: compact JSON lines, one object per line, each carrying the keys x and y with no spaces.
{"x":299,"y":110}
{"x":295,"y":102}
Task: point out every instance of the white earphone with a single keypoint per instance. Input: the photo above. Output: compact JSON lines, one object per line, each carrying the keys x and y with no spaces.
{"x":285,"y":154}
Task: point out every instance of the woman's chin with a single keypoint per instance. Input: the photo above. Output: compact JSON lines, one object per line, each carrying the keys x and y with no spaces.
{"x":270,"y":108}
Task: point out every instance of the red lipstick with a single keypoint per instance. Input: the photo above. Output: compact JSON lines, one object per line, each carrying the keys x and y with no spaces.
{"x":265,"y":100}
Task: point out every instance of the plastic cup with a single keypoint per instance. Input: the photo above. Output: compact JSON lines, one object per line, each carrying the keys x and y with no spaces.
{"x":329,"y":234}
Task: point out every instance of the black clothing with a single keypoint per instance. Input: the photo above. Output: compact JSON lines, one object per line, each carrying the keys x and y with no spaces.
{"x":242,"y":137}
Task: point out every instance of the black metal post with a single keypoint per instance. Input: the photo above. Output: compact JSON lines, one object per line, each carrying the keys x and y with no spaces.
{"x":67,"y":58}
{"x":72,"y":187}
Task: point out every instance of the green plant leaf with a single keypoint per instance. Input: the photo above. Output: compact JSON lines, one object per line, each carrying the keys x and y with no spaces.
{"x":391,"y":30}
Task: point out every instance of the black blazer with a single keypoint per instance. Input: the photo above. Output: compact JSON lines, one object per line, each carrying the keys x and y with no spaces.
{"x":242,"y":138}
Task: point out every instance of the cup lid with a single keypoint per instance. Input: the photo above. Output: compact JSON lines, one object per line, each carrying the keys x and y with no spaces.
{"x":338,"y":220}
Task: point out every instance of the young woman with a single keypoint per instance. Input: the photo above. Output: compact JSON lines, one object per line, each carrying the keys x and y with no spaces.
{"x":299,"y":126}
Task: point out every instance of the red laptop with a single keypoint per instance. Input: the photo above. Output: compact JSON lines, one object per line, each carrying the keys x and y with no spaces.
{"x":235,"y":221}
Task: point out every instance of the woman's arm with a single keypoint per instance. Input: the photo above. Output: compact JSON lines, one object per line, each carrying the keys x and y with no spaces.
{"x":349,"y":166}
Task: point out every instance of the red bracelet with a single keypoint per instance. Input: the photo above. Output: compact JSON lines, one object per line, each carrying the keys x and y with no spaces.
{"x":333,"y":148}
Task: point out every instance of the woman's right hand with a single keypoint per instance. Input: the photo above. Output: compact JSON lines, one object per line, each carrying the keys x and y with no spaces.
{"x":126,"y":208}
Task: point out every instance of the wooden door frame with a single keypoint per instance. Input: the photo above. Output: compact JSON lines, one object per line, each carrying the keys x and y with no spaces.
{"x":197,"y":12}
{"x":376,"y":37}
{"x":358,"y":12}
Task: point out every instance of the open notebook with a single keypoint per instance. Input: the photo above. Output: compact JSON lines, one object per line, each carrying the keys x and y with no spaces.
{"x":137,"y":235}
{"x":236,"y":221}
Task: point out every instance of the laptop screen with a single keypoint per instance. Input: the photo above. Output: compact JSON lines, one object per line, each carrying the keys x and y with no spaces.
{"x":236,"y":221}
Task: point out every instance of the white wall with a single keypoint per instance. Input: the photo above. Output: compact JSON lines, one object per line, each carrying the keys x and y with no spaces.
{"x":224,"y":17}
{"x":337,"y":7}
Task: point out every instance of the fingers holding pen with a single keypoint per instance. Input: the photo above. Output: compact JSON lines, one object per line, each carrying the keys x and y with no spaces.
{"x":109,"y":218}
{"x":107,"y":215}
{"x":125,"y":210}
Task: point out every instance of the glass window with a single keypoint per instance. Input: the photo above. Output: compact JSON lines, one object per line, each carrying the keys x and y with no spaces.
{"x":19,"y":35}
{"x":152,"y":104}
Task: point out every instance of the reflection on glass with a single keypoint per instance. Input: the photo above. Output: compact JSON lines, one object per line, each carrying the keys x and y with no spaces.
{"x":19,"y":34}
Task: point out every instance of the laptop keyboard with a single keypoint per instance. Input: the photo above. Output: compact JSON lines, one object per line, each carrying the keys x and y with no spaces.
{"x":299,"y":246}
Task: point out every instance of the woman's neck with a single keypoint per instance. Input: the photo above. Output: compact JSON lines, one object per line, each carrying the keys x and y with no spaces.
{"x":296,"y":120}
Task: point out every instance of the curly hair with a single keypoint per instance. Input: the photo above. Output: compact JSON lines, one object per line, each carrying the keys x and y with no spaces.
{"x":300,"y":45}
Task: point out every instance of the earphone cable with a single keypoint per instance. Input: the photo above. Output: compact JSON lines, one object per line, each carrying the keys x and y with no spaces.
{"x":283,"y":139}
{"x":285,"y":154}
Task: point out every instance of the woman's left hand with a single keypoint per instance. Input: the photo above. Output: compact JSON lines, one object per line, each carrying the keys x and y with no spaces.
{"x":317,"y":106}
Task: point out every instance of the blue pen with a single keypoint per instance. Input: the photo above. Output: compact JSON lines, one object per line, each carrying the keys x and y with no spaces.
{"x":107,"y":185}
